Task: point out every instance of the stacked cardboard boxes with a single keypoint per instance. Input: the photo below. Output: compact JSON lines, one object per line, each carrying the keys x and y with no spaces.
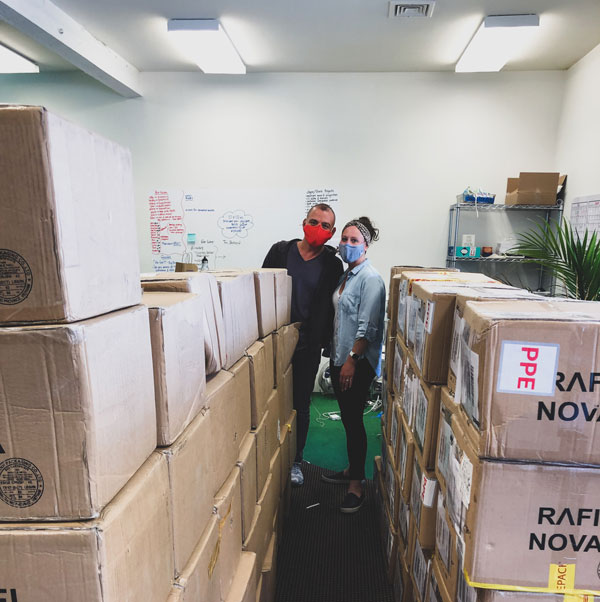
{"x":93,"y":381}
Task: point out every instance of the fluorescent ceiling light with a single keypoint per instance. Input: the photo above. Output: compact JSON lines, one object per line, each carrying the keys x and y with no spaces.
{"x":11,"y":62}
{"x":498,"y":40}
{"x":206,"y":43}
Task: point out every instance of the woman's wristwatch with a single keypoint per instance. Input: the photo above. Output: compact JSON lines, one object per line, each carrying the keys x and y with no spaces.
{"x":354,"y":356}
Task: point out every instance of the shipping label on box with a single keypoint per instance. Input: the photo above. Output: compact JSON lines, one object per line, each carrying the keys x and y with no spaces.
{"x":530,"y":379}
{"x":442,"y":534}
{"x":420,"y":571}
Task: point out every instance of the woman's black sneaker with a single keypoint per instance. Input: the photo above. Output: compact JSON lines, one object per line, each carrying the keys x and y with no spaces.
{"x":337,"y":477}
{"x":352,"y":503}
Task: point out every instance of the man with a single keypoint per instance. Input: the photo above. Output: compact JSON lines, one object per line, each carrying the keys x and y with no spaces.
{"x":315,"y":272}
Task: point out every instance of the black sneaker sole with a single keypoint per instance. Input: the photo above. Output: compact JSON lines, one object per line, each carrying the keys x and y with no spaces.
{"x":352,"y":510}
{"x":328,"y":479}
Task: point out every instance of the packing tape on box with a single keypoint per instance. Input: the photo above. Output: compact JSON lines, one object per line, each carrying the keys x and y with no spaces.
{"x":561,"y":580}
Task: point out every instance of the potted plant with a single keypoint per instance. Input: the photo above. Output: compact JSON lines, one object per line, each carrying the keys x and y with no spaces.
{"x":573,"y":259}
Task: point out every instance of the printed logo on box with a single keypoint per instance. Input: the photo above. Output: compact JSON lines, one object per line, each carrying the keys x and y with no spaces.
{"x":527,"y":368}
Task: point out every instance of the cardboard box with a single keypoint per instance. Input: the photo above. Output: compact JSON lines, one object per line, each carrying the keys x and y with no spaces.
{"x":273,"y":434}
{"x":445,"y":439}
{"x":125,"y":554}
{"x":291,"y":427}
{"x":528,"y":379}
{"x":248,"y":481}
{"x":423,"y":500}
{"x":406,"y":313}
{"x":227,"y":508}
{"x":77,"y":414}
{"x":283,"y":297}
{"x":269,"y":571}
{"x":69,"y":250}
{"x":261,"y":381}
{"x":243,"y":588}
{"x":402,"y":581}
{"x":420,"y":569}
{"x":400,"y":367}
{"x":269,"y":344}
{"x":404,"y":527}
{"x":387,"y":371}
{"x":285,"y":455}
{"x":237,"y":295}
{"x":406,"y":454}
{"x":409,"y":397}
{"x":395,"y":415}
{"x":237,"y":396}
{"x":262,"y":454}
{"x":176,"y":332}
{"x":264,"y":285}
{"x":425,"y":427}
{"x":275,"y":471}
{"x":535,"y":188}
{"x":200,"y":580}
{"x":550,"y":527}
{"x":479,"y":293}
{"x":286,"y":394}
{"x":391,"y":487}
{"x":446,"y":548}
{"x":285,"y":340}
{"x":438,"y":591}
{"x":434,"y":305}
{"x":200,"y":461}
{"x":262,"y":525}
{"x":205,"y":286}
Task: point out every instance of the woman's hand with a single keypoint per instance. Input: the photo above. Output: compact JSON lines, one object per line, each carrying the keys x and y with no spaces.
{"x":347,"y":374}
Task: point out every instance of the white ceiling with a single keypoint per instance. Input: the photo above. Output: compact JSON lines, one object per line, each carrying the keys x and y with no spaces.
{"x":323,"y":35}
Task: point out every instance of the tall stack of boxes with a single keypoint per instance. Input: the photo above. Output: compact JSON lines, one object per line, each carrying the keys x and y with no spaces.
{"x":489,"y":472}
{"x":133,"y":427}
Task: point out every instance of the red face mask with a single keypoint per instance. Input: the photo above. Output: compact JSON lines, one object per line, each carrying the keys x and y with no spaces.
{"x":316,"y":236}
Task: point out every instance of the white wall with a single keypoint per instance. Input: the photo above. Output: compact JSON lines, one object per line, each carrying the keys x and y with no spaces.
{"x":398,"y":147}
{"x":578,"y":149}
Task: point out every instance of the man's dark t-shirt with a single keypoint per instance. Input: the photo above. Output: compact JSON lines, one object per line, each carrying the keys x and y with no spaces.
{"x":305,"y":279}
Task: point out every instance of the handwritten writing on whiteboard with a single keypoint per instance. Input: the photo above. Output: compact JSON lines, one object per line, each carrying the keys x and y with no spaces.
{"x":235,"y":223}
{"x":314,"y":196}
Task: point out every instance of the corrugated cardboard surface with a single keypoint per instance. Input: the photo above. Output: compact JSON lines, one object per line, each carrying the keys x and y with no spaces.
{"x":285,"y":340}
{"x":286,"y":395}
{"x":238,"y":399}
{"x":243,"y":588}
{"x":238,"y":303}
{"x":176,"y":329}
{"x":262,"y":453}
{"x":421,"y":566}
{"x":228,"y":511}
{"x":533,"y":188}
{"x":248,"y":479}
{"x":77,"y":414}
{"x":550,"y":424}
{"x":270,"y":354}
{"x":441,"y":591}
{"x":264,"y":283}
{"x":123,"y":556}
{"x":407,"y":313}
{"x":273,"y":437}
{"x":269,"y":572}
{"x":261,"y":381}
{"x":262,"y":525}
{"x":406,"y":454}
{"x":69,"y":249}
{"x":283,"y":297}
{"x":199,"y":579}
{"x":285,"y":454}
{"x":423,"y":510}
{"x":205,"y":286}
{"x":291,"y":426}
{"x":402,"y":581}
{"x":446,"y":548}
{"x":550,"y":520}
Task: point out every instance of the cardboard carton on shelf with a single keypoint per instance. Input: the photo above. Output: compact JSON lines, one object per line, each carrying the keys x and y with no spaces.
{"x":77,"y":414}
{"x":205,"y":286}
{"x":69,"y":250}
{"x":243,"y":588}
{"x":528,"y":379}
{"x":124,"y":554}
{"x":177,"y":335}
{"x":535,"y":188}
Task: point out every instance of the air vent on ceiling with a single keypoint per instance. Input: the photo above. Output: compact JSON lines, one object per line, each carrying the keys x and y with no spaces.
{"x":411,"y":9}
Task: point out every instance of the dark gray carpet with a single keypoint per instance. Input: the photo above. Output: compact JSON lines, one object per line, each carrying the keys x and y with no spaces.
{"x":327,"y":556}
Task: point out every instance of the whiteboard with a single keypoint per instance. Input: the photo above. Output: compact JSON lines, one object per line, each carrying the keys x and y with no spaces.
{"x":585,"y":213}
{"x":231,"y":228}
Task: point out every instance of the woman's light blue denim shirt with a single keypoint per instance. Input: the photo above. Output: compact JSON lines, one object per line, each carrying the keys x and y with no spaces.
{"x":360,"y":315}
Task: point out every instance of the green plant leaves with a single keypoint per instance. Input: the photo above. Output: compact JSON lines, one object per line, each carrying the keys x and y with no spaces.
{"x":572,"y":259}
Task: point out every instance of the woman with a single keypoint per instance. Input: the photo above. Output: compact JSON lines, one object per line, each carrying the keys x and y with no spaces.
{"x":359,"y":302}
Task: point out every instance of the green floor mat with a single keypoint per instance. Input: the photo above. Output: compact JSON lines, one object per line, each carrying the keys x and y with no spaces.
{"x":326,"y":443}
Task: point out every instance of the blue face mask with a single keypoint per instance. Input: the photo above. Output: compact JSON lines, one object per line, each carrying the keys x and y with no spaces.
{"x":350,"y":253}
